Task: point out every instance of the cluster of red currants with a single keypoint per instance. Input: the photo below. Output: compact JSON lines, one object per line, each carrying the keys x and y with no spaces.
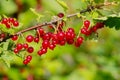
{"x":88,"y":31}
{"x":8,"y":22}
{"x":51,"y":40}
{"x":27,"y":59}
{"x":26,"y":47}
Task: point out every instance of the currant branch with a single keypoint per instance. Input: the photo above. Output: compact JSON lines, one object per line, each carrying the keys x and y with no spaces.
{"x":49,"y":39}
{"x":89,"y":9}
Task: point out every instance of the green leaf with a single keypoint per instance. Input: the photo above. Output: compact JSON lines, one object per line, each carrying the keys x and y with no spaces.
{"x":8,"y":7}
{"x":101,"y":18}
{"x":63,"y":4}
{"x":5,"y":45}
{"x":65,"y":19}
{"x":6,"y":62}
{"x":6,"y":57}
{"x":113,"y":22}
{"x":78,"y":4}
{"x":94,"y":14}
{"x":52,"y":6}
{"x":28,"y":20}
{"x":78,"y":15}
{"x":0,"y":50}
{"x":37,"y":14}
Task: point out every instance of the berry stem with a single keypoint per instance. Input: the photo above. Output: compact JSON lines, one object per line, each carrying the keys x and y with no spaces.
{"x":78,"y":34}
{"x":54,"y":28}
{"x":22,"y":37}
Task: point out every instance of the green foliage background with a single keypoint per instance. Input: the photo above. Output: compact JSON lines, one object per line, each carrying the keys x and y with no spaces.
{"x":96,"y":59}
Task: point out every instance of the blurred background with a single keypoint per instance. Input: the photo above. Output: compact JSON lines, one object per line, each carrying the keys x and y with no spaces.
{"x":96,"y":59}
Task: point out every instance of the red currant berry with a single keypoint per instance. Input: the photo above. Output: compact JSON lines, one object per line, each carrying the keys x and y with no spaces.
{"x":28,"y":60}
{"x":54,"y":37}
{"x":94,"y":28}
{"x":71,"y":30}
{"x":11,"y":20}
{"x":4,"y":20}
{"x":46,"y":36}
{"x":16,"y":50}
{"x":29,"y":38}
{"x":25,"y":62}
{"x":14,"y":37}
{"x":54,"y":42}
{"x":7,"y":25}
{"x":52,"y":46}
{"x":45,"y":44}
{"x":30,"y":49}
{"x":99,"y":25}
{"x":60,"y":15}
{"x":29,"y":57}
{"x":19,"y":46}
{"x":87,"y":23}
{"x":68,"y":35}
{"x":40,"y":31}
{"x":25,"y":46}
{"x":61,"y":35}
{"x":83,"y":30}
{"x":88,"y":32}
{"x":62,"y":42}
{"x":71,"y":41}
{"x":15,"y":23}
{"x":73,"y":35}
{"x":36,"y":39}
{"x":50,"y":34}
{"x":77,"y":44}
{"x":80,"y":40}
{"x":40,"y":52}
{"x":44,"y":50}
